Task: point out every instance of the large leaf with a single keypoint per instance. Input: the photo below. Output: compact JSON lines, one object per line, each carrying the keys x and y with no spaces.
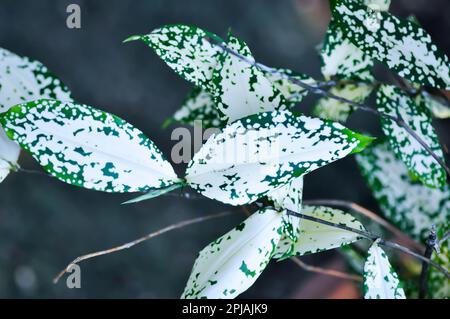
{"x":262,"y":152}
{"x":438,"y":283}
{"x":380,"y":279}
{"x":315,"y":237}
{"x":289,"y":196}
{"x":393,"y":101}
{"x":335,"y":110}
{"x":199,"y":106}
{"x":86,"y":147}
{"x":186,"y":49}
{"x":241,"y":89}
{"x":231,"y":264}
{"x":21,"y":80}
{"x":410,"y":205}
{"x":402,"y":45}
{"x":9,"y":155}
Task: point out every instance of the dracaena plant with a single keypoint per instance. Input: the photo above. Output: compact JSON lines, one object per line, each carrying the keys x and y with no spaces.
{"x":266,"y":145}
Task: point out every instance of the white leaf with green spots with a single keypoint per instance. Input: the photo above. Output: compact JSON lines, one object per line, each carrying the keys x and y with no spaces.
{"x":281,"y":79}
{"x":9,"y":155}
{"x":315,"y":237}
{"x":439,"y":108}
{"x":241,"y":89}
{"x":232,"y":263}
{"x":402,"y":45}
{"x":262,"y":152}
{"x":186,"y":49}
{"x":289,"y":196}
{"x":438,"y":283}
{"x":411,"y":206}
{"x":380,"y":279}
{"x":198,"y":106}
{"x":395,"y":102}
{"x":22,"y":80}
{"x":335,"y":110}
{"x":87,"y":147}
{"x":341,"y":59}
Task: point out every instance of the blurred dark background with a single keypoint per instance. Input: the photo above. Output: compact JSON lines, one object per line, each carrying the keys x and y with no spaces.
{"x":44,"y":224}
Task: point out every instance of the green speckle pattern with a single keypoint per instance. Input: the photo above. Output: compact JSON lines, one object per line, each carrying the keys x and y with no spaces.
{"x":315,"y":237}
{"x":402,"y":45}
{"x":232,"y":263}
{"x":380,"y":279}
{"x":87,"y":147}
{"x":411,"y":206}
{"x":332,"y":109}
{"x":393,"y":101}
{"x":262,"y":152}
{"x":22,"y":80}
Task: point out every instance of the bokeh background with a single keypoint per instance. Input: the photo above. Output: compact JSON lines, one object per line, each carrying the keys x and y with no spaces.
{"x":44,"y":224}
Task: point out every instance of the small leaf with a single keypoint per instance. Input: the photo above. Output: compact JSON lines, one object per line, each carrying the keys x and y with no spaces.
{"x":438,"y":108}
{"x":335,"y":110}
{"x":241,"y":89}
{"x":86,"y":147}
{"x":199,"y":105}
{"x":186,"y":50}
{"x":262,"y":152}
{"x":402,"y":45}
{"x":380,"y":279}
{"x":231,"y":264}
{"x":9,"y":155}
{"x":289,"y":196}
{"x":153,"y":194}
{"x":393,"y":101}
{"x":315,"y":237}
{"x":411,"y":206}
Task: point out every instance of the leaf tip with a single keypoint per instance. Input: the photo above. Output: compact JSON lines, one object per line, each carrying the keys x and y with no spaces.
{"x":132,"y":38}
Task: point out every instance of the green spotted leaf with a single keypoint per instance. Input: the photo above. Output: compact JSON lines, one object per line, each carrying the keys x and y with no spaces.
{"x":262,"y":152}
{"x":380,"y":279}
{"x":199,"y":106}
{"x":22,"y":80}
{"x":393,"y":101}
{"x":335,"y":110}
{"x":241,"y":89}
{"x":402,"y":45}
{"x":153,"y":193}
{"x":87,"y":147}
{"x":315,"y":237}
{"x":438,"y":283}
{"x":289,"y":196}
{"x":232,"y":263}
{"x":186,"y":50}
{"x":411,"y":206}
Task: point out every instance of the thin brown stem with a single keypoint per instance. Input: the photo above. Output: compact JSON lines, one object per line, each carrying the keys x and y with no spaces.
{"x":327,"y":272}
{"x":141,"y":239}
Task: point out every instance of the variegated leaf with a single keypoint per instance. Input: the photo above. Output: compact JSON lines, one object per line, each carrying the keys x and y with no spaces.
{"x":393,"y":101}
{"x":241,"y":89}
{"x":438,"y":109}
{"x":411,"y":206}
{"x":289,"y":196}
{"x":402,"y":45}
{"x":9,"y":155}
{"x":200,"y":106}
{"x":232,"y":263}
{"x":379,"y":5}
{"x":438,"y":283}
{"x":86,"y":147}
{"x":186,"y":50}
{"x":380,"y":279}
{"x":21,"y":80}
{"x":341,"y":59}
{"x":335,"y":110}
{"x":262,"y":152}
{"x":315,"y":237}
{"x":281,"y":79}
{"x":153,"y":193}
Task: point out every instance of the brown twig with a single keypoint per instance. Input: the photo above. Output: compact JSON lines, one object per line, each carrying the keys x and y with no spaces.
{"x":141,"y":239}
{"x":327,"y":272}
